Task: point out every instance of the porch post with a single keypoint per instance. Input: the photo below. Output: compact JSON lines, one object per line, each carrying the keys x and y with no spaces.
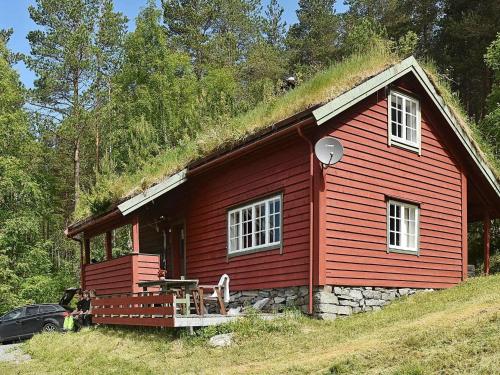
{"x":82,"y":267}
{"x":486,"y":237}
{"x":135,"y":234}
{"x":109,"y":246}
{"x":86,"y":245}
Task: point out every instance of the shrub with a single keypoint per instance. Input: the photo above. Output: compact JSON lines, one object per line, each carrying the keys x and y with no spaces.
{"x":495,"y":263}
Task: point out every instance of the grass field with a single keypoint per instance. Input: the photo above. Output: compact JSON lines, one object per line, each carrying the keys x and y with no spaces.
{"x":455,"y":331}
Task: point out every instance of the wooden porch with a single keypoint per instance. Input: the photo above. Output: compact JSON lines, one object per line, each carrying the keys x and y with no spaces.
{"x":151,"y":309}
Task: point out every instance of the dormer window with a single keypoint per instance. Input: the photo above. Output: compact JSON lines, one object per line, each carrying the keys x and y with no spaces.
{"x":404,"y":121}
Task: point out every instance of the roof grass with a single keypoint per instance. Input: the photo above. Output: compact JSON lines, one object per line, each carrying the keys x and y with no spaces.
{"x":321,"y":88}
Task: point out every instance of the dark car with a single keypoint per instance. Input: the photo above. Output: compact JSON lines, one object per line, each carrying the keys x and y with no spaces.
{"x":25,"y":321}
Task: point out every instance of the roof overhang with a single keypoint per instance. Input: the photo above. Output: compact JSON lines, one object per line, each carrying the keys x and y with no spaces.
{"x":372,"y":85}
{"x":152,"y":193}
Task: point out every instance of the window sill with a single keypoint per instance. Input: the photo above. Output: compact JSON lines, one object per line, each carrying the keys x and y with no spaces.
{"x":406,"y":146}
{"x":252,"y":251}
{"x":403,"y":251}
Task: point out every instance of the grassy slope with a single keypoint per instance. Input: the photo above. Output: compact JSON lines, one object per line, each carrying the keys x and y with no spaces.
{"x":447,"y":332}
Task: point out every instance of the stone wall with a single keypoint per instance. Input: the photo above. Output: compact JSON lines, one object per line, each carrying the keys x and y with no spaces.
{"x":272,"y":300}
{"x":329,"y":301}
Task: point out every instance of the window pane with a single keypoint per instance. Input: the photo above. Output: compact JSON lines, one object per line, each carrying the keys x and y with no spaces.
{"x":46,"y":309}
{"x":234,"y":230}
{"x":247,"y":227}
{"x":404,"y":118}
{"x":260,"y":224}
{"x":31,"y":310}
{"x":14,"y":314}
{"x":275,"y":220}
{"x":394,"y":225}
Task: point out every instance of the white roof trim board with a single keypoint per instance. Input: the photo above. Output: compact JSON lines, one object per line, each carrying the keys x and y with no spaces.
{"x":152,"y":193}
{"x":355,"y":95}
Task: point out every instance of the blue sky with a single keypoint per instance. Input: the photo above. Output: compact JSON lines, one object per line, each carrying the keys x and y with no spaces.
{"x":14,"y":14}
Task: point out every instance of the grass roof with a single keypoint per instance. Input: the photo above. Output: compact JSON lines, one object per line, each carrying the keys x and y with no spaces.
{"x":321,"y":88}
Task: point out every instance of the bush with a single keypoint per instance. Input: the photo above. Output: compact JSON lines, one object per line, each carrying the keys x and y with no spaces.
{"x":495,"y":263}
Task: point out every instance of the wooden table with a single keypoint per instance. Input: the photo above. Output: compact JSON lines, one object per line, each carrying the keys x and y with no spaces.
{"x":165,"y":285}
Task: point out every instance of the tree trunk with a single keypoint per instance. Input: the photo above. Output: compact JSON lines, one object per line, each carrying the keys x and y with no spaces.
{"x":76,"y":163}
{"x":97,"y":146}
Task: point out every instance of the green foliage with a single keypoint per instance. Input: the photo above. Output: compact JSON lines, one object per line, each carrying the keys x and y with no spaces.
{"x":469,"y":26}
{"x":25,"y":211}
{"x":74,"y":51}
{"x":454,"y":103}
{"x":407,"y":44}
{"x":312,"y":41}
{"x":495,"y":263}
{"x":363,"y":36}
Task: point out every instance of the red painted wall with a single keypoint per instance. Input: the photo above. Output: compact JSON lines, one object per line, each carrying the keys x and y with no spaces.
{"x":279,"y":167}
{"x":355,"y":224}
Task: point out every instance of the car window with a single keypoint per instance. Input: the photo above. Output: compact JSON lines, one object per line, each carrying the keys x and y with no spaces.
{"x":31,"y":310}
{"x":47,"y":308}
{"x":13,"y":314}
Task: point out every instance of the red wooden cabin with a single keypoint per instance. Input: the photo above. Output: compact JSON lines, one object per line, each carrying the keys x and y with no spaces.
{"x":393,"y":213}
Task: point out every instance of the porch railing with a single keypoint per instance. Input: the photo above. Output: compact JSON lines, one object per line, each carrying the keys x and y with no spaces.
{"x":120,"y":275}
{"x":134,"y":309}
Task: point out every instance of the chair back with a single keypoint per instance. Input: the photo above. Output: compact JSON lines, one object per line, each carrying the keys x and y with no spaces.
{"x":224,"y":284}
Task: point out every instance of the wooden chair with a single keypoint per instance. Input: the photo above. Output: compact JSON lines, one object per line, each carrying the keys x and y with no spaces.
{"x":219,"y":295}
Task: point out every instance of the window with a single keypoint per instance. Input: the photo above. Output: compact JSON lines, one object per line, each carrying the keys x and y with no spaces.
{"x":44,"y":309}
{"x":404,"y":121}
{"x":16,"y":314}
{"x":256,"y":226}
{"x":402,"y":227}
{"x":31,"y":310}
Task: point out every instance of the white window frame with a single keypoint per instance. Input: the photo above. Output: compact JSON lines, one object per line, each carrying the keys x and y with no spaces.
{"x":403,"y":228}
{"x":394,"y":140}
{"x":267,"y":245}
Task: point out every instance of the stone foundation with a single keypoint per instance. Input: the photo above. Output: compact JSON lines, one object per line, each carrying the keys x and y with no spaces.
{"x":277,"y":299}
{"x":329,"y":302}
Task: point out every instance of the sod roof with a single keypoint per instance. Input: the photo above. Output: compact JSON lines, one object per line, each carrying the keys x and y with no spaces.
{"x":320,"y":89}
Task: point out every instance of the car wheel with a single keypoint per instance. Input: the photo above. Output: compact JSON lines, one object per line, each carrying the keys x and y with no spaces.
{"x":50,"y":327}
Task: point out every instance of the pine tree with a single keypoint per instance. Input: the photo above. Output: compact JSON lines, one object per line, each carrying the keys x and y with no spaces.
{"x":465,"y":32}
{"x":313,"y":40}
{"x":274,"y":27}
{"x":63,"y":56}
{"x":155,"y":103}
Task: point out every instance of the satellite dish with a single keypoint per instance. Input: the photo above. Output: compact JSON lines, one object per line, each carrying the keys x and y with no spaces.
{"x":329,"y":150}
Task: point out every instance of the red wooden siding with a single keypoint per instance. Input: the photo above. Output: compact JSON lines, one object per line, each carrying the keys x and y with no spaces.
{"x":121,"y":275}
{"x":355,"y":234}
{"x":279,"y":168}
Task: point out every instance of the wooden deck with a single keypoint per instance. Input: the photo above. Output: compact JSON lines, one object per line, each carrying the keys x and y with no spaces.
{"x":155,"y":309}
